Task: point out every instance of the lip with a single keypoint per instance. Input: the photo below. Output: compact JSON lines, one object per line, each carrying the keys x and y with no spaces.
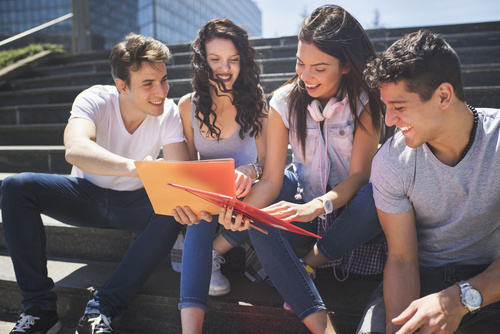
{"x":405,"y":129}
{"x":311,"y":88}
{"x":156,"y":103}
{"x":224,"y":77}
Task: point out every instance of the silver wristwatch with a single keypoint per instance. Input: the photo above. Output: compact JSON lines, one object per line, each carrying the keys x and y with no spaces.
{"x":327,"y":206}
{"x":258,"y":171}
{"x":470,"y":296}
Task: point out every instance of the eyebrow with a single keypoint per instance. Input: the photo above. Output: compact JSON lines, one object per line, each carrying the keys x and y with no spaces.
{"x":151,"y":80}
{"x":317,"y":64}
{"x":215,"y":54}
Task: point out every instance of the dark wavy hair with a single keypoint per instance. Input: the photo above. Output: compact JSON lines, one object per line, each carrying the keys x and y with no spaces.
{"x":423,"y":59}
{"x":128,"y":55}
{"x":335,"y":32}
{"x":247,"y":93}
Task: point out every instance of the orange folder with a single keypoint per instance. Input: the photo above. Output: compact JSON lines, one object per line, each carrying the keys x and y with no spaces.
{"x":215,"y":175}
{"x":246,"y":209}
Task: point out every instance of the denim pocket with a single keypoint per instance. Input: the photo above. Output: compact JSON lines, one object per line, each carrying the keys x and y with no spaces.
{"x":341,"y":137}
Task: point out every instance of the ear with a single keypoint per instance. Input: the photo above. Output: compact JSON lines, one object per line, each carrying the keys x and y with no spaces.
{"x":120,"y":85}
{"x":446,"y":94}
{"x":346,"y":69}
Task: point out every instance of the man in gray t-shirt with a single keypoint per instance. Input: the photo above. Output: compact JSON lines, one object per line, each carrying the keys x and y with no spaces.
{"x":436,"y":188}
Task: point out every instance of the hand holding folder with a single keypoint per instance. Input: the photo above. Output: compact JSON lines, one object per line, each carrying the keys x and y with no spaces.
{"x":203,"y":185}
{"x":247,"y":210}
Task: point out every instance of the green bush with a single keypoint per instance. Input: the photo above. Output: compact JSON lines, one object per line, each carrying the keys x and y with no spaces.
{"x":9,"y":57}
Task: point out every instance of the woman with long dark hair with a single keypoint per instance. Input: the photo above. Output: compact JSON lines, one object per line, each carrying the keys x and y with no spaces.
{"x":332,"y":121}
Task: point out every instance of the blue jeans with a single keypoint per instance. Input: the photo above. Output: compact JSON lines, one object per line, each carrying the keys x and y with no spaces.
{"x":79,"y":202}
{"x":197,"y":254}
{"x":357,"y":224}
{"x":486,"y":320}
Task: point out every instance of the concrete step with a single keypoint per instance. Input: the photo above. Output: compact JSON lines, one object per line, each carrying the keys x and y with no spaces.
{"x":41,"y":95}
{"x":483,"y":96}
{"x":85,"y":244}
{"x":32,"y":134}
{"x":474,"y":74}
{"x":249,"y":308}
{"x":41,"y":159}
{"x":84,"y":257}
{"x":48,"y":113}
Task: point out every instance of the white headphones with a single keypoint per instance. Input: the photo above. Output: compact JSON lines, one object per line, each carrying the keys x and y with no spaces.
{"x":319,"y":114}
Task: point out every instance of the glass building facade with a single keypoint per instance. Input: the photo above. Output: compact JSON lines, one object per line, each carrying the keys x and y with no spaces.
{"x":109,"y":21}
{"x":171,"y":21}
{"x":176,"y":21}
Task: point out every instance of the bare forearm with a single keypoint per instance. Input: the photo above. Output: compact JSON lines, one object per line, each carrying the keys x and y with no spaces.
{"x":345,"y":191}
{"x":94,"y":159}
{"x":401,"y":287}
{"x":263,"y":193}
{"x":488,"y":283}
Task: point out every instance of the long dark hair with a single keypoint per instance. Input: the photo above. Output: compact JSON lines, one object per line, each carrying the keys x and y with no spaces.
{"x":247,"y":93}
{"x":335,"y":32}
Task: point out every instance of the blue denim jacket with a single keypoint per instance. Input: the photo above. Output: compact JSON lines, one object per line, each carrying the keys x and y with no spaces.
{"x":314,"y":168}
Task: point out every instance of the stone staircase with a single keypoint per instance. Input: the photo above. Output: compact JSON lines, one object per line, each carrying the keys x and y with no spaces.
{"x":34,"y":108}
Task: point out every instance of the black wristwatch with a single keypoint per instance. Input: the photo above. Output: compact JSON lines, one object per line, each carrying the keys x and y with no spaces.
{"x":470,"y":296}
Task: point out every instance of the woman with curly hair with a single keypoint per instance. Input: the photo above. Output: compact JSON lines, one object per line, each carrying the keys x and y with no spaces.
{"x":332,"y":120}
{"x":224,"y":117}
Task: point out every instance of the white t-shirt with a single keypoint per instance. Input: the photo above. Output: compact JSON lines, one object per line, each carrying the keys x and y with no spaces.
{"x":99,"y":104}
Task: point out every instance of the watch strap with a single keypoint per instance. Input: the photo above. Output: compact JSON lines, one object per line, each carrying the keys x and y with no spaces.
{"x":464,"y":286}
{"x":327,"y":206}
{"x":258,"y":171}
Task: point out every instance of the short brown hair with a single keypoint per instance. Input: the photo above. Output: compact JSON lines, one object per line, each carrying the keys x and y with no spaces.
{"x":128,"y":55}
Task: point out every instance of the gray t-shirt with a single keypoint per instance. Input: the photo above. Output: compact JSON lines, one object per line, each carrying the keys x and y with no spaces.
{"x":243,"y":151}
{"x":457,"y":209}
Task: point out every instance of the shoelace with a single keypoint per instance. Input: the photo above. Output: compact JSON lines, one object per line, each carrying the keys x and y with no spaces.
{"x":25,"y":322}
{"x":216,"y":261}
{"x":101,"y":324}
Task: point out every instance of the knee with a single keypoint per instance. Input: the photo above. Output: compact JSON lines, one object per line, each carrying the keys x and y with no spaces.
{"x":12,"y":184}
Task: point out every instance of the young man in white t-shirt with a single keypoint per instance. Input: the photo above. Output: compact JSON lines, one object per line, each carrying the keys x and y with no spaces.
{"x":110,"y":127}
{"x":436,"y":191}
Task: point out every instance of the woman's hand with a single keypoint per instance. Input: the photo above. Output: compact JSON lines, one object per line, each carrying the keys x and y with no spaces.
{"x":292,"y":212}
{"x":231,"y":221}
{"x":243,"y":181}
{"x":185,"y":216}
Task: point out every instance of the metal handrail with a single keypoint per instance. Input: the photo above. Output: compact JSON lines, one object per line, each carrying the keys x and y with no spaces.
{"x":40,"y":27}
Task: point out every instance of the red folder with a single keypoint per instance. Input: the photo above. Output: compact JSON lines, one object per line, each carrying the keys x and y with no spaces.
{"x":247,"y":210}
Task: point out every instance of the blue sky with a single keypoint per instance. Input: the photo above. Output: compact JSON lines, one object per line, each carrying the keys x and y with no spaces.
{"x":283,"y":17}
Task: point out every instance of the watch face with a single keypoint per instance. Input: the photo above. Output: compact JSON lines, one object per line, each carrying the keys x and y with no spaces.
{"x":473,"y":298}
{"x":327,"y":205}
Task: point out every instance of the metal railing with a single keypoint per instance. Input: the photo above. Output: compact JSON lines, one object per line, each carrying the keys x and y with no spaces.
{"x":33,"y":30}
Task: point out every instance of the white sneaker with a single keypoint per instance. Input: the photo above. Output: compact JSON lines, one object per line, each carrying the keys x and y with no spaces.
{"x":219,"y":284}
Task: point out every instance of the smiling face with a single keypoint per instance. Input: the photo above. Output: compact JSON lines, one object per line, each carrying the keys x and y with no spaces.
{"x":419,"y":121}
{"x":224,"y":61}
{"x":146,"y":93}
{"x":320,"y":72}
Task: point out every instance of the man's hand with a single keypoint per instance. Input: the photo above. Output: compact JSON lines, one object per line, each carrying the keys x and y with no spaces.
{"x":186,"y":216}
{"x":436,"y":313}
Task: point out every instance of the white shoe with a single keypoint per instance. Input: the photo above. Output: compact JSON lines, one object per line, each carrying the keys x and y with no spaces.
{"x":219,"y":284}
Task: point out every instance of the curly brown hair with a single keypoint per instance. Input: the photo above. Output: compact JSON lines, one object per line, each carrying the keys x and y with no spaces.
{"x":247,"y":92}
